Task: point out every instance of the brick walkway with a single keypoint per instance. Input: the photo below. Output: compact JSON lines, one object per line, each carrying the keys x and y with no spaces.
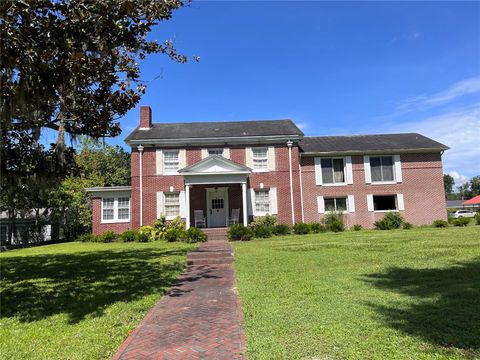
{"x":199,"y":318}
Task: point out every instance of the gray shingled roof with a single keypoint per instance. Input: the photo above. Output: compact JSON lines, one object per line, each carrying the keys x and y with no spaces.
{"x":365,"y":143}
{"x":196,"y":130}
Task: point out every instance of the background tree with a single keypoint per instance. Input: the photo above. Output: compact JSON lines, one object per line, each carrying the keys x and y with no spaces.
{"x":448,"y":183}
{"x":470,"y":188}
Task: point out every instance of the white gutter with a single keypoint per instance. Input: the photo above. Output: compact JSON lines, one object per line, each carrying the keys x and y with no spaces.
{"x":140,"y":150}
{"x":289,"y":144}
{"x":301,"y":190}
{"x":366,"y":152}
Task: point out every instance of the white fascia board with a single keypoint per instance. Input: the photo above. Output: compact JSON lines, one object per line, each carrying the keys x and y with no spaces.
{"x":379,"y":152}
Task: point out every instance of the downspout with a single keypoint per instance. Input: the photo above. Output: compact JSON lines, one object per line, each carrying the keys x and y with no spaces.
{"x":301,"y":190}
{"x":289,"y":144}
{"x":140,"y":151}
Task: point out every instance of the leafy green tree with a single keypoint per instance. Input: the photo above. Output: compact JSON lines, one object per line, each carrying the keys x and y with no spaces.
{"x":448,"y":183}
{"x":475,"y":185}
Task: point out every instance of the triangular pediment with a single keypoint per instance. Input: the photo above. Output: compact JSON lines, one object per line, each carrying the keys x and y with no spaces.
{"x":215,"y":164}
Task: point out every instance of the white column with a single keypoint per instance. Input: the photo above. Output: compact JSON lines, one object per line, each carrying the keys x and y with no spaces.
{"x":244,"y":203}
{"x":187,"y":200}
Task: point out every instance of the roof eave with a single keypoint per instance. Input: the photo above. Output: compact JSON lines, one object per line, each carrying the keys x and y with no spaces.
{"x":216,"y":140}
{"x":365,"y":152}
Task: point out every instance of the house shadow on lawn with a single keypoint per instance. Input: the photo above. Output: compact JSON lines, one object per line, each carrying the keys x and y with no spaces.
{"x":446,"y":304}
{"x":81,"y":284}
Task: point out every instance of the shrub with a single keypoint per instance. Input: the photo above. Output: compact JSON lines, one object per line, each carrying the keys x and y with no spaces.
{"x":281,"y":229}
{"x":173,"y":234}
{"x":194,"y":235}
{"x":301,"y":228}
{"x":239,"y":232}
{"x":86,"y":238}
{"x":129,"y":236}
{"x":316,"y":228}
{"x":107,"y":237}
{"x":391,"y":220}
{"x":334,"y":222}
{"x":357,"y":227}
{"x":262,"y":231}
{"x":407,"y":226}
{"x":147,"y":233}
{"x":462,"y":221}
{"x":477,"y":219}
{"x":440,"y":223}
{"x":162,"y":226}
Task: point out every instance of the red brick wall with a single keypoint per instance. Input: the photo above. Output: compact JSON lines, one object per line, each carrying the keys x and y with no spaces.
{"x":97,"y":226}
{"x":422,"y":189}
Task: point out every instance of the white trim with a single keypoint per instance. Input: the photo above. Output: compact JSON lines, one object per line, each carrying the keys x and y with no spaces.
{"x":226,"y":153}
{"x":320,"y":205}
{"x":348,"y":170}
{"x":250,"y":202}
{"x":366,"y":170}
{"x":159,"y":161}
{"x":183,"y":207}
{"x":115,"y":219}
{"x":351,"y":203}
{"x":269,"y":139}
{"x":318,"y":171}
{"x":160,"y":208}
{"x":370,"y":205}
{"x":273,"y":201}
{"x":271,"y":161}
{"x":400,"y":202}
{"x":204,"y":153}
{"x":398,"y":168}
{"x":244,"y":204}
{"x":249,"y":157}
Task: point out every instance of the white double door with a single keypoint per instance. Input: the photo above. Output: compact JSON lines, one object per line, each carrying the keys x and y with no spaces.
{"x":217,"y":206}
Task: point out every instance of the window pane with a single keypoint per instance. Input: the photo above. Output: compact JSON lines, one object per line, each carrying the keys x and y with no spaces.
{"x":123,"y":213}
{"x":338,"y":170}
{"x":376,"y":168}
{"x":329,"y":204}
{"x":172,"y":204}
{"x":170,"y":161}
{"x":387,"y":168}
{"x":215,"y":152}
{"x":341,"y":204}
{"x":384,"y":202}
{"x":108,"y":205}
{"x":327,"y":171}
{"x":260,"y":159}
{"x":262,"y":201}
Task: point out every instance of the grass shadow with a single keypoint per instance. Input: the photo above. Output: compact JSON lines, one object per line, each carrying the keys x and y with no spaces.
{"x":445,"y":306}
{"x":81,"y":284}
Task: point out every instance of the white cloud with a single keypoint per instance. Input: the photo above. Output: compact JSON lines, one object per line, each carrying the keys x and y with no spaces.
{"x":459,"y":89}
{"x":459,"y":178}
{"x":304,"y":126}
{"x":460,"y":130}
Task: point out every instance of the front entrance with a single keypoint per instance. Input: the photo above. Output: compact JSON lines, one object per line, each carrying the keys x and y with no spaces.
{"x":217,"y":206}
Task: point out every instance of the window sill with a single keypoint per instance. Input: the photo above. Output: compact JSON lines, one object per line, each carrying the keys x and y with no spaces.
{"x":115,"y":221}
{"x":384,"y":183}
{"x":335,"y":184}
{"x":260,"y":170}
{"x":339,"y":212}
{"x":385,"y":211}
{"x":262,"y":214}
{"x":171,"y":217}
{"x":169,"y":173}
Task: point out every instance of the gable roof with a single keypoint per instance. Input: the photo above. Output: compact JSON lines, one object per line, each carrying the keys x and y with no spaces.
{"x":245,"y":130}
{"x":215,"y":164}
{"x":370,"y":143}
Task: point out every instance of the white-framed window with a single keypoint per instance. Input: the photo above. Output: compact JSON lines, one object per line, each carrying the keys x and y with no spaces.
{"x":260,"y":158}
{"x":108,"y":209}
{"x":262,"y":201}
{"x":333,"y":171}
{"x":171,"y":161}
{"x":171,"y":204}
{"x":115,"y":209}
{"x":382,"y":168}
{"x":344,"y":204}
{"x":335,"y":203}
{"x":385,"y":202}
{"x":215,"y":151}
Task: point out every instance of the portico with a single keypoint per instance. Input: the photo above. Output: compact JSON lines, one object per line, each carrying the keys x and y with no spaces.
{"x":216,"y":186}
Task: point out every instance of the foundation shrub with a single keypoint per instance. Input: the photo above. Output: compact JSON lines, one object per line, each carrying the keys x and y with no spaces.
{"x":238,"y":232}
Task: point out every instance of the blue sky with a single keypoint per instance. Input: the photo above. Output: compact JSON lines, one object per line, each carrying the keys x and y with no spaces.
{"x":332,"y":67}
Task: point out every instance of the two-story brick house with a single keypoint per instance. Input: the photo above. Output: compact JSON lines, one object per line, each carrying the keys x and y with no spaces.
{"x":224,"y":171}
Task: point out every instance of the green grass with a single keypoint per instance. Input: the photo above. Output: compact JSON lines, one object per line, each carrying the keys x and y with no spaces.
{"x":79,"y":300}
{"x":402,"y":294}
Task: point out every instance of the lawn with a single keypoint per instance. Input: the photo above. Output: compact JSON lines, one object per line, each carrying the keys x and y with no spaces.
{"x":401,"y":294}
{"x":79,"y":300}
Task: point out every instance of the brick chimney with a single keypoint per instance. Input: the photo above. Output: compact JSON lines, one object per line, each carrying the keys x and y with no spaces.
{"x":145,"y":117}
